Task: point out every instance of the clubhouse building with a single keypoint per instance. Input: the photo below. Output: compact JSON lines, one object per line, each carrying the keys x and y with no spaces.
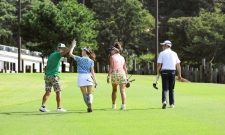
{"x":31,"y":61}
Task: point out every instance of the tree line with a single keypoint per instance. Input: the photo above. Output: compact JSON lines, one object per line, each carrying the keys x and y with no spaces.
{"x":195,"y":28}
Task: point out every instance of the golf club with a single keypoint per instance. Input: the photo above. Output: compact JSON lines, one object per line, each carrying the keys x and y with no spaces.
{"x":131,"y":80}
{"x":154,"y":85}
{"x":92,"y":82}
{"x":129,"y":77}
{"x":128,"y":83}
{"x":93,"y":79}
{"x":131,"y":74}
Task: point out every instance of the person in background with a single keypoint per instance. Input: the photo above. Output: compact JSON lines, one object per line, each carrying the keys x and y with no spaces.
{"x":118,"y":74}
{"x":168,"y":62}
{"x":85,"y":68}
{"x":52,"y":77}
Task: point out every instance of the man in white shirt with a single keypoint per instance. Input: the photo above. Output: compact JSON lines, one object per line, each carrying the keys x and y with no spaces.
{"x":168,"y":62}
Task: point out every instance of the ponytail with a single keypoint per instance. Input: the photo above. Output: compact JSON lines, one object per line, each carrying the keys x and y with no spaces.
{"x":91,"y":54}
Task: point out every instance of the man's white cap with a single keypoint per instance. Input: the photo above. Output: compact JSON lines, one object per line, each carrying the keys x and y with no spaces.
{"x":167,"y":42}
{"x":61,"y":45}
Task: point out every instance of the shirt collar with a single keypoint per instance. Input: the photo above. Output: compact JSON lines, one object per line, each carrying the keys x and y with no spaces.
{"x":116,"y":54}
{"x":167,"y":49}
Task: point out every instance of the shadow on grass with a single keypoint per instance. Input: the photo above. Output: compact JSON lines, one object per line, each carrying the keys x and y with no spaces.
{"x":42,"y":113}
{"x":71,"y":111}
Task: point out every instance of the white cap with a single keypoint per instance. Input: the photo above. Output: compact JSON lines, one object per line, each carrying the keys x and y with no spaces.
{"x":85,"y":48}
{"x":167,"y":42}
{"x":61,"y":45}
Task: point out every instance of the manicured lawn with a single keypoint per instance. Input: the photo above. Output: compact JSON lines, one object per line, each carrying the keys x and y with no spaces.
{"x":199,"y":108}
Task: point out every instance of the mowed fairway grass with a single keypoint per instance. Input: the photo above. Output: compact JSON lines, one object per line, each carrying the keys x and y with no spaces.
{"x":199,"y":108}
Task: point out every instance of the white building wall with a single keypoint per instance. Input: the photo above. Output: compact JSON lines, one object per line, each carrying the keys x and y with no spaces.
{"x":10,"y":54}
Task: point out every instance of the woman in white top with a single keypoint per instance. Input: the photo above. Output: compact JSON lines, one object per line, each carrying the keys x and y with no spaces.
{"x":118,"y":74}
{"x":85,"y":68}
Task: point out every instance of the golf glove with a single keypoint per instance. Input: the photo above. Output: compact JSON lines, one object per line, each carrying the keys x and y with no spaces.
{"x":74,"y":44}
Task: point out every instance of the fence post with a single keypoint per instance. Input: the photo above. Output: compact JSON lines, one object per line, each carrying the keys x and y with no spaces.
{"x":97,"y":64}
{"x":186,"y":72}
{"x":107,"y":68}
{"x":221,"y":74}
{"x":196,"y":75}
{"x":147,"y":68}
{"x":153,"y":68}
{"x":203,"y":70}
{"x":208,"y":73}
{"x":215,"y":75}
{"x":139,"y":69}
{"x":103,"y":69}
{"x":134,"y":66}
{"x":191,"y":74}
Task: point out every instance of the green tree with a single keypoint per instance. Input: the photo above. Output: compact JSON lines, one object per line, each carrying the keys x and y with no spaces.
{"x":8,"y":20}
{"x":145,"y":58}
{"x":206,"y":31}
{"x":174,"y":9}
{"x":178,"y":37}
{"x":123,"y":21}
{"x":46,"y":24}
{"x":199,"y":37}
{"x":221,"y":5}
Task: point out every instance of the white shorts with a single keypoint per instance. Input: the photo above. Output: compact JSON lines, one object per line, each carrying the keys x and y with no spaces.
{"x":83,"y":79}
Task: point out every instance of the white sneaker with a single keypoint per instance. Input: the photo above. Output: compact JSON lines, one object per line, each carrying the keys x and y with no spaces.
{"x":113,"y":106}
{"x":60,"y":110}
{"x":171,"y":106}
{"x":164,"y":105}
{"x":44,"y":109}
{"x":123,"y":107}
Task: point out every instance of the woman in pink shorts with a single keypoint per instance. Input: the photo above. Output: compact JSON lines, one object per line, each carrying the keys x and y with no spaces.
{"x":118,"y":74}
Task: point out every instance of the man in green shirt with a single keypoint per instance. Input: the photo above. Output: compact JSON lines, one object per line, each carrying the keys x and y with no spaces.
{"x":52,"y":78}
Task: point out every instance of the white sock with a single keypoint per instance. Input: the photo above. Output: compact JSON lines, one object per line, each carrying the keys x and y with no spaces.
{"x":90,"y":98}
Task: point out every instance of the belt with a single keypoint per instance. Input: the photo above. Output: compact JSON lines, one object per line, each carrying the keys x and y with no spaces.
{"x":167,"y":69}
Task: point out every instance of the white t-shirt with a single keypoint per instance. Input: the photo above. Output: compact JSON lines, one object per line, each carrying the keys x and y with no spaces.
{"x":169,"y":59}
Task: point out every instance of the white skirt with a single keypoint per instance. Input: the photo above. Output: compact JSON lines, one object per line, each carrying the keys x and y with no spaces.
{"x":84,"y":79}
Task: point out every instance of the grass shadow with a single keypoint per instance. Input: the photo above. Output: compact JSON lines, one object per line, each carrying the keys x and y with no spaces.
{"x":70,"y":111}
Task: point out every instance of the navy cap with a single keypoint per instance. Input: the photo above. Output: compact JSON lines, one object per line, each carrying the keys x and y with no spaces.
{"x":113,"y":48}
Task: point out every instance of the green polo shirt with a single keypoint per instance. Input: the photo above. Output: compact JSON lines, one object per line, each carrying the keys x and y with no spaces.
{"x":53,"y":64}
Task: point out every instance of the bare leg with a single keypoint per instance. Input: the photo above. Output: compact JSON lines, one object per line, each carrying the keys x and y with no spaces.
{"x":123,"y":94}
{"x":45,"y":97}
{"x":114,"y":93}
{"x":58,"y":99}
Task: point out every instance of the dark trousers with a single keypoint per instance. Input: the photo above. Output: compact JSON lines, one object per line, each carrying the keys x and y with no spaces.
{"x":168,"y":83}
